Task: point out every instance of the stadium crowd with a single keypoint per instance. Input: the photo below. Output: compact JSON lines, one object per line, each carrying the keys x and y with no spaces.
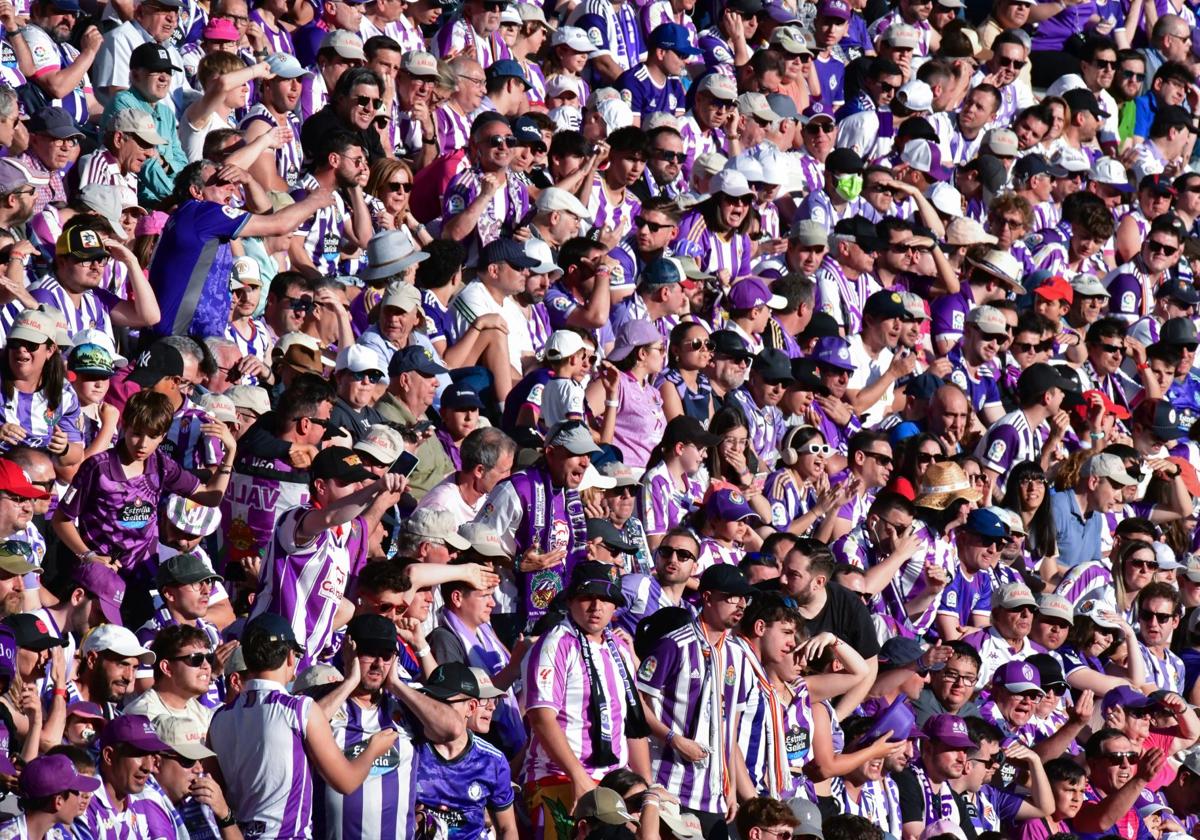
{"x":599,"y":419}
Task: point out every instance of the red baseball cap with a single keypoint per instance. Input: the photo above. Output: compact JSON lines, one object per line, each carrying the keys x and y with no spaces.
{"x":1118,"y":411}
{"x":1056,"y":288}
{"x":14,"y":480}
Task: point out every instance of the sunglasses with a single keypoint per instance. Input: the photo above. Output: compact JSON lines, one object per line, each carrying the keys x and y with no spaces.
{"x":670,"y":157}
{"x":738,"y":199}
{"x":195,"y":660}
{"x":1111,"y":348}
{"x":817,"y":449}
{"x":924,"y":458}
{"x":884,"y":460}
{"x":666,"y":552}
{"x":882,"y":190}
{"x":371,"y":102}
{"x":821,"y":127}
{"x":302,"y":304}
{"x":1102,"y":64}
{"x":991,"y":764}
{"x":700,"y":344}
{"x":1157,"y":247}
{"x":1014,"y":63}
{"x":640,"y":222}
{"x":499,"y":141}
{"x":182,"y":761}
{"x":372,"y":376}
{"x":1121,"y":758}
{"x":887,"y":87}
{"x":1149,"y":615}
{"x":1027,"y":347}
{"x":400,"y":186}
{"x":1132,"y":75}
{"x":620,"y":492}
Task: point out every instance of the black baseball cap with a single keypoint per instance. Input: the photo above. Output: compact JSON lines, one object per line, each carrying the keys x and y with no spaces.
{"x":861,"y":230}
{"x":372,"y":634}
{"x":820,"y":325}
{"x":730,"y":344}
{"x":183,"y":569}
{"x":1039,"y":378}
{"x":1178,"y":332}
{"x":844,"y":162}
{"x":607,"y":533}
{"x":1180,"y":290}
{"x":684,"y":429}
{"x":453,"y":679}
{"x":32,"y":633}
{"x":723,"y":577}
{"x":1168,"y":116}
{"x":273,"y":628}
{"x":594,"y":578}
{"x":657,"y":625}
{"x":460,"y":398}
{"x":1082,"y":99}
{"x":153,"y":57}
{"x":773,"y":366}
{"x":885,"y":304}
{"x":157,"y":362}
{"x":506,"y":250}
{"x":1160,"y":184}
{"x":338,"y":463}
{"x":806,"y":376}
{"x":1030,"y":165}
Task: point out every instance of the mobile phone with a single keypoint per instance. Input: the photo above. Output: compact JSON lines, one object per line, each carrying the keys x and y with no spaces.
{"x":405,"y":464}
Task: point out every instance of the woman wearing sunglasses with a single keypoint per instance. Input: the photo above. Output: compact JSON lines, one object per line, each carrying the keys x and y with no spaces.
{"x":684,"y":387}
{"x":1093,"y":657}
{"x":799,"y":492}
{"x":391,"y":182}
{"x":915,"y":455}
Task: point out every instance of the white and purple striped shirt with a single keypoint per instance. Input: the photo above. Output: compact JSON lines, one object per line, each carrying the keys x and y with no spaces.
{"x":453,"y":128}
{"x":305,"y":583}
{"x":289,"y":158}
{"x":90,"y":313}
{"x":607,"y":214}
{"x":663,"y":505}
{"x":268,"y":776}
{"x":718,"y":252}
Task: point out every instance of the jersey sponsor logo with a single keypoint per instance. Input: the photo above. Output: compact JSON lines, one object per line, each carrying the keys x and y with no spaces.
{"x":560,"y":303}
{"x":384,"y":764}
{"x":957,"y":321}
{"x":951,"y":599}
{"x":995,"y":452}
{"x":647,"y":669}
{"x":723,"y":55}
{"x":545,"y":679}
{"x":135,"y":514}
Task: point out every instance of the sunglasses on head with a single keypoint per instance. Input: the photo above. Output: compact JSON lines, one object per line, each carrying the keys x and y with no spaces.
{"x":374,"y":103}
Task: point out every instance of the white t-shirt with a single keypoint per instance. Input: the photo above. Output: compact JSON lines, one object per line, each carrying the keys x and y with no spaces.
{"x":561,"y":398}
{"x":476,"y":300}
{"x":867,"y":371}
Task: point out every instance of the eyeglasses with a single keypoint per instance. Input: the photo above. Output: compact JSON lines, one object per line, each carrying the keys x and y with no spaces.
{"x":817,"y":449}
{"x":372,"y":376}
{"x":821,"y":127}
{"x":499,"y":141}
{"x":1122,"y":758}
{"x":669,"y":156}
{"x":955,"y":678}
{"x":1112,"y":348}
{"x":641,"y":222}
{"x":1103,"y":64}
{"x":475,"y":80}
{"x":1005,"y":222}
{"x":1033,"y":479}
{"x":666,"y":552}
{"x":195,"y":660}
{"x":1157,"y":247}
{"x":400,"y":186}
{"x":371,"y":102}
{"x":700,"y":344}
{"x":1132,"y":75}
{"x":1150,"y":615}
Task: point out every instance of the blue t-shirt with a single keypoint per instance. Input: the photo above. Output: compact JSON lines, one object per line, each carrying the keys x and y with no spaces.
{"x":456,"y":791}
{"x":192,"y":266}
{"x":1078,"y":538}
{"x":645,"y":97}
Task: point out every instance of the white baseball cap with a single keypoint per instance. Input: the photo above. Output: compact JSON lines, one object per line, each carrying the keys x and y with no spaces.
{"x":358,"y":358}
{"x":113,"y":638}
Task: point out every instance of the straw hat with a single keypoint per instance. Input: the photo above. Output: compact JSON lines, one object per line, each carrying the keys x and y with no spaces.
{"x":942,"y":484}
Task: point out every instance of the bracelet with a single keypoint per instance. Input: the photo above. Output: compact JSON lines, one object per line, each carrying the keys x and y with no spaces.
{"x":89,"y":554}
{"x":1096,"y":435}
{"x":670,"y":737}
{"x":225,"y":471}
{"x":1143,"y":366}
{"x":60,"y":692}
{"x":228,"y":821}
{"x":423,"y":652}
{"x":612,"y":403}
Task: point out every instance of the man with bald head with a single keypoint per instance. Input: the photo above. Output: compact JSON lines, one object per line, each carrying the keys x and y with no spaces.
{"x":1170,"y":40}
{"x":949,"y":414}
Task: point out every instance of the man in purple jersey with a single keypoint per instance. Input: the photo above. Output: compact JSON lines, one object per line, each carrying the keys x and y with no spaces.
{"x":129,"y":750}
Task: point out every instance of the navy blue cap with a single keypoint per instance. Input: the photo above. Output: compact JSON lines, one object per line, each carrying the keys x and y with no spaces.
{"x":1180,"y":290}
{"x":1030,"y":165}
{"x":527,"y":132}
{"x":923,"y":386}
{"x":594,"y":578}
{"x":66,"y":5}
{"x":458,"y":398}
{"x":506,"y":250}
{"x":54,"y":121}
{"x":986,"y":524}
{"x":660,"y":272}
{"x":900,"y":652}
{"x":274,"y":627}
{"x":414,"y":357}
{"x":507,"y":68}
{"x":674,"y":37}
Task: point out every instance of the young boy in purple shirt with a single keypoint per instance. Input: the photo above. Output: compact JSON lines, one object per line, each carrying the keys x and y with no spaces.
{"x":110,"y":512}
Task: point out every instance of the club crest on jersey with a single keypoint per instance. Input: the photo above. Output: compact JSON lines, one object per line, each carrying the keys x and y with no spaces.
{"x":730,"y":675}
{"x":544,"y":586}
{"x":475,"y":791}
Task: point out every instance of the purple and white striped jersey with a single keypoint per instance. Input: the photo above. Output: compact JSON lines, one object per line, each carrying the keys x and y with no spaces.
{"x":382,"y":808}
{"x":762,"y":731}
{"x":789,"y":500}
{"x":713,"y":552}
{"x":269,"y":779}
{"x":453,"y":128}
{"x":187,"y":444}
{"x":818,"y":207}
{"x":507,"y":207}
{"x":305,"y":583}
{"x":278,"y":38}
{"x":410,"y":38}
{"x":1166,"y":672}
{"x":605,"y":212}
{"x":101,"y":167}
{"x":101,"y":821}
{"x":613,"y":29}
{"x":878,"y":801}
{"x":663,"y":505}
{"x":1008,"y":442}
{"x":766,"y":423}
{"x":697,"y":690}
{"x":289,"y":158}
{"x":1088,"y":581}
{"x":924,"y":30}
{"x":643,"y":595}
{"x":717,"y":252}
{"x":257,"y":343}
{"x":841,"y":297}
{"x":32,"y":412}
{"x":556,"y":678}
{"x":314,"y":95}
{"x":697,"y":142}
{"x":956,"y":148}
{"x":460,"y":37}
{"x":91,"y":312}
{"x":367,"y":29}
{"x":325,"y":230}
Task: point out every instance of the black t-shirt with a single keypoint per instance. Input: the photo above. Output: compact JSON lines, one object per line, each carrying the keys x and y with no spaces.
{"x":912,"y":804}
{"x":846,"y":616}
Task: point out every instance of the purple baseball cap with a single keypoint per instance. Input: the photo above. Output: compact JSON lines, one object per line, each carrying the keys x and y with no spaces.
{"x":51,"y":774}
{"x":6,"y":765}
{"x":949,"y":731}
{"x":838,"y":9}
{"x":634,"y":333}
{"x":896,"y":718}
{"x":729,"y":505}
{"x":134,"y":730}
{"x":752,"y":292}
{"x":1127,"y":697}
{"x":1017,"y":677}
{"x":86,"y":710}
{"x":833,"y":351}
{"x":101,"y":582}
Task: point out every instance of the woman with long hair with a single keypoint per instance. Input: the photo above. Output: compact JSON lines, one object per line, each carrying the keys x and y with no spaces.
{"x":531,"y":37}
{"x":799,"y":492}
{"x":1025,"y":494}
{"x":391,"y":182}
{"x":41,"y":410}
{"x":625,"y":397}
{"x":675,"y":478}
{"x":914,"y":457}
{"x":1133,"y":570}
{"x":732,"y":461}
{"x":684,"y":386}
{"x":1098,"y":639}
